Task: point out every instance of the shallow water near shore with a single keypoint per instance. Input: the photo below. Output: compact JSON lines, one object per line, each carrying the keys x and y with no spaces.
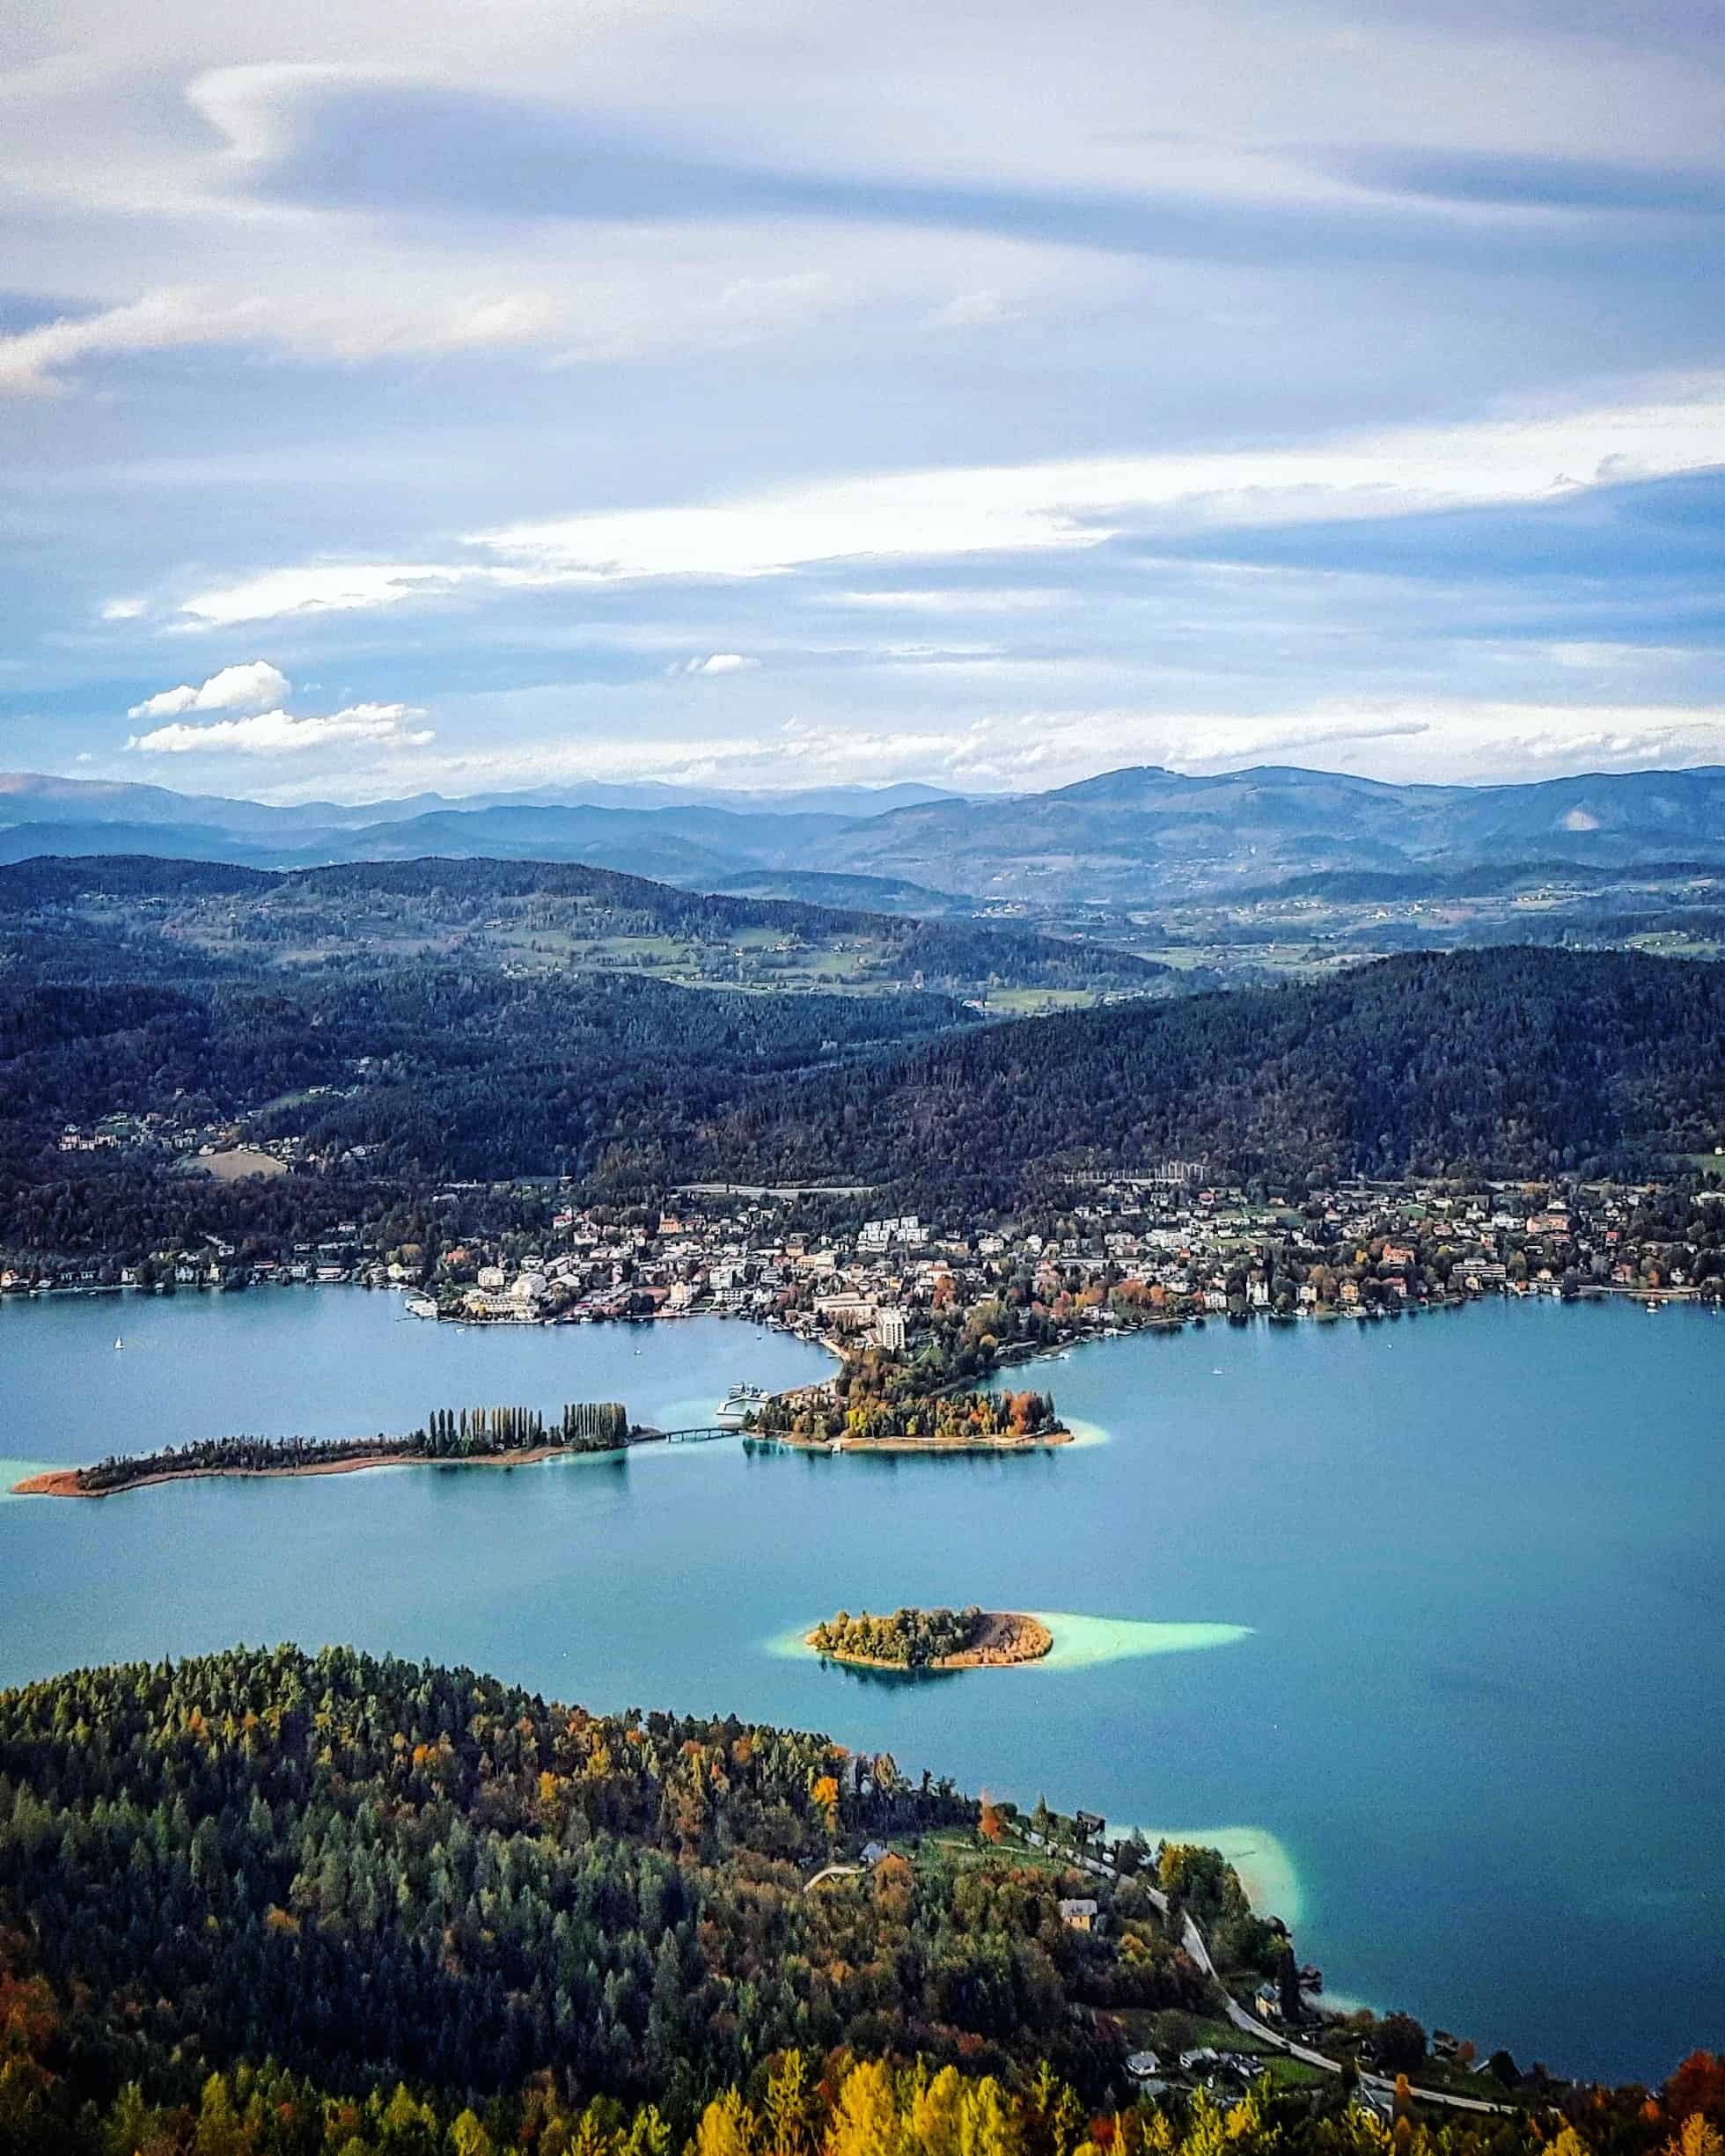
{"x":1456,"y":1581}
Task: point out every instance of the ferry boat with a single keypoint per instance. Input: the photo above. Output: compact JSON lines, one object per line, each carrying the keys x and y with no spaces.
{"x":421,"y":1306}
{"x":739,"y":1405}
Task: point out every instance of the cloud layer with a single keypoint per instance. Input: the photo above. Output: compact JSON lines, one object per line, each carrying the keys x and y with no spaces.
{"x":1310,"y":381}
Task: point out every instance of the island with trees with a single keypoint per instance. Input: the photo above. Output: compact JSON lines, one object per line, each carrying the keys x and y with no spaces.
{"x":477,"y":1436}
{"x":912,"y":1640}
{"x":884,"y":1402}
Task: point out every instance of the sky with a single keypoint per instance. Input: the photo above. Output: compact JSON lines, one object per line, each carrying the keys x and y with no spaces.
{"x":764,"y":393}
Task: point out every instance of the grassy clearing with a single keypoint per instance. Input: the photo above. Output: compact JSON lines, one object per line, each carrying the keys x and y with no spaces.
{"x":1035,"y":1002}
{"x":237,"y":1163}
{"x":1294,"y":2072}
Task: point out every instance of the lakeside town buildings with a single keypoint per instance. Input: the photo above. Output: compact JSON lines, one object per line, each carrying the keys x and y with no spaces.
{"x":1113,"y":1254}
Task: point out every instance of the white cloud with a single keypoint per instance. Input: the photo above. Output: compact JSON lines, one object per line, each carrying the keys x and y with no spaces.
{"x":328,"y":588}
{"x":279,"y":733}
{"x":330,"y":323}
{"x":31,"y":360}
{"x":957,"y":511}
{"x":236,"y":688}
{"x":953,"y":599}
{"x":718,"y":663}
{"x":123,"y":609}
{"x":983,"y":309}
{"x":1051,"y":506}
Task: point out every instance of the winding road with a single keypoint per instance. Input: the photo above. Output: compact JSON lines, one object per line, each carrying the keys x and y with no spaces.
{"x":1197,"y":1947}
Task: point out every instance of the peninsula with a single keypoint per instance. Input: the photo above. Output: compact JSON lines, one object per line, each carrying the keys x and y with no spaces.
{"x":970,"y":1638}
{"x":880,"y":1402}
{"x":473,"y":1437}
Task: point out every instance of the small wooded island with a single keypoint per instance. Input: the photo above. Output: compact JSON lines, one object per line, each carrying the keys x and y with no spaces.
{"x":970,"y":1638}
{"x":881,"y":1402}
{"x":478,"y":1436}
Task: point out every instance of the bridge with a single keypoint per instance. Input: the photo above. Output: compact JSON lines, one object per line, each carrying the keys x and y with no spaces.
{"x":703,"y":1434}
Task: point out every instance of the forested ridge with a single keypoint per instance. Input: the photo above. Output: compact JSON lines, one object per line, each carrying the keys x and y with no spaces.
{"x":1514,"y":1060}
{"x":451,"y":892}
{"x":435,"y":1071}
{"x":375,"y":1869}
{"x":392,"y":1078}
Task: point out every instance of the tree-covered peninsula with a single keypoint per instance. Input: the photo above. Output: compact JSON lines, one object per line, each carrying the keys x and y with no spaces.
{"x":451,"y":1437}
{"x":884,"y":1400}
{"x":969,"y":1638}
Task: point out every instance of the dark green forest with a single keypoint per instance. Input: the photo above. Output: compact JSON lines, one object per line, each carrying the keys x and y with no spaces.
{"x":1514,"y":1060}
{"x":372,"y":1870}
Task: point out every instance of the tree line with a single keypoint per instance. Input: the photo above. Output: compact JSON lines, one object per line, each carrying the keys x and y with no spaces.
{"x":797,"y":2104}
{"x":860,"y":1407}
{"x":912,"y":1639}
{"x":470,"y":1433}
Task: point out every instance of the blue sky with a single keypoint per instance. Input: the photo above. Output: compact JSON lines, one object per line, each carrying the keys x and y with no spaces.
{"x":764,"y":394}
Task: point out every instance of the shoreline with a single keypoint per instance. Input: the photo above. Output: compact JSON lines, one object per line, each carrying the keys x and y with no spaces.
{"x":1009,"y":1639}
{"x":63,"y":1481}
{"x":1058,"y":1435}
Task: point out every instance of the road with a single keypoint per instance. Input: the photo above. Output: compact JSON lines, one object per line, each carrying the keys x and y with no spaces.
{"x":830,"y":1871}
{"x":1196,"y":1945}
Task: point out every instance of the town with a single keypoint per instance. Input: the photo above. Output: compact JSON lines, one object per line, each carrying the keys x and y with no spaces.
{"x":1108,"y":1254}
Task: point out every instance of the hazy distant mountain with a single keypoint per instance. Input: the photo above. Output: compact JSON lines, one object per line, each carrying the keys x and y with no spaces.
{"x":1148,"y":833}
{"x":810,"y":801}
{"x":33,"y":797}
{"x":165,"y":840}
{"x":1127,"y":837}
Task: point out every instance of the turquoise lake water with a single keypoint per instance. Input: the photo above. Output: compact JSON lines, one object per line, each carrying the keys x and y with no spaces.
{"x":1426,"y":1619}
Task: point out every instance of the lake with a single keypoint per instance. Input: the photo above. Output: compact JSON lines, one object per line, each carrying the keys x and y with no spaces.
{"x":1423,"y":1618}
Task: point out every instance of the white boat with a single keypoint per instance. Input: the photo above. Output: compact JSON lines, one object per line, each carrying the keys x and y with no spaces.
{"x":421,"y":1306}
{"x":739,"y":1405}
{"x":120,"y":1343}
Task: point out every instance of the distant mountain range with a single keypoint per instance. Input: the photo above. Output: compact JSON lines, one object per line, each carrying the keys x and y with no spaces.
{"x":1134,"y":836}
{"x":35,"y":793}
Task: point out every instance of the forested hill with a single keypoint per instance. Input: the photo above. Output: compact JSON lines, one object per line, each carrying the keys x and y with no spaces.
{"x":440,"y":899}
{"x":376,"y":1870}
{"x":1515,"y":1060}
